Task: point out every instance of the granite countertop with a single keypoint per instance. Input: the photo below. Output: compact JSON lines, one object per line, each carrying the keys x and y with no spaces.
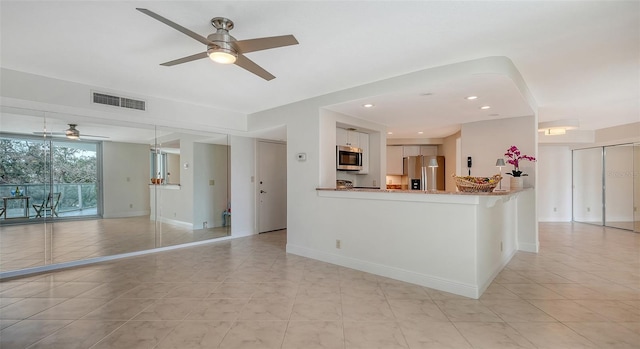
{"x":437,"y":192}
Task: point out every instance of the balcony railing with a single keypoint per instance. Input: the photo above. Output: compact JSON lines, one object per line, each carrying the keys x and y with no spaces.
{"x":75,"y":199}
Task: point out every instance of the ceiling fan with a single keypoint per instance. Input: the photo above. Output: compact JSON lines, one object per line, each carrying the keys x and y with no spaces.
{"x":72,"y":133}
{"x":224,"y":48}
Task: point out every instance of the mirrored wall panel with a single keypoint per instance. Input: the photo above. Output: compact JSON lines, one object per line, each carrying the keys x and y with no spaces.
{"x":636,"y":187}
{"x":606,"y":188}
{"x":74,"y":188}
{"x":587,"y":186}
{"x":618,"y":186}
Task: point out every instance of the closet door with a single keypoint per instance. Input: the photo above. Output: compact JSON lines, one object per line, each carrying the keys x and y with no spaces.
{"x":618,"y":184}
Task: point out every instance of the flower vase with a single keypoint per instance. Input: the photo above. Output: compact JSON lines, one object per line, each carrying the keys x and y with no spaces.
{"x":516,"y":183}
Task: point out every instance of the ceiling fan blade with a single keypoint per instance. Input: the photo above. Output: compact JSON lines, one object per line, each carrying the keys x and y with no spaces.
{"x":251,"y":45}
{"x":246,"y":63}
{"x":49,"y":133}
{"x":185,"y":59}
{"x":92,"y":136}
{"x":175,"y":26}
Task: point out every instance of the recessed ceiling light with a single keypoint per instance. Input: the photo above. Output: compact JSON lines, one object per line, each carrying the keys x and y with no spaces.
{"x":427,"y":94}
{"x":420,"y":132}
{"x":368,"y":105}
{"x":494,"y":114}
{"x":472,"y":97}
{"x":389,"y":133}
{"x":485,"y":107}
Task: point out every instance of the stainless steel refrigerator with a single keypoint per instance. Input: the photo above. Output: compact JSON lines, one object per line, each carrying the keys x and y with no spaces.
{"x":419,"y":176}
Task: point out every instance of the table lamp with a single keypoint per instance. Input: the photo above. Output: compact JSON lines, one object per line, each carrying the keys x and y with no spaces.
{"x":433,"y":163}
{"x":500,"y":164}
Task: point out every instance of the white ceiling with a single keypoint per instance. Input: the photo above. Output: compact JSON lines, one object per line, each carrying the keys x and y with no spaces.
{"x":580,"y":59}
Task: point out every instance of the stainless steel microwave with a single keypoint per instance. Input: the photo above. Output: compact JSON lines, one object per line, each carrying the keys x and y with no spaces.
{"x":348,"y":158}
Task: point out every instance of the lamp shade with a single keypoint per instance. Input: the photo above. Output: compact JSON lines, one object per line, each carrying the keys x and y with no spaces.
{"x":433,"y":163}
{"x":500,"y":162}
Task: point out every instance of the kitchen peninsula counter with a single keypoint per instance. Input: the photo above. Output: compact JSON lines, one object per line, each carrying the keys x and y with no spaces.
{"x":450,"y":241}
{"x":433,"y":192}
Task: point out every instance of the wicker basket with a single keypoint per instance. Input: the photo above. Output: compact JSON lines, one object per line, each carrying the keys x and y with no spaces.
{"x":469,"y":184}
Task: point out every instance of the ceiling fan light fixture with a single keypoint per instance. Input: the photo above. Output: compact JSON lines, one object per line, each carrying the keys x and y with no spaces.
{"x":554,"y":131}
{"x":72,"y":132}
{"x":222,"y":55}
{"x":558,"y":127}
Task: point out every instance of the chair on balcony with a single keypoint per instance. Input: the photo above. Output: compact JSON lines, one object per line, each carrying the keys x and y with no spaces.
{"x":2,"y":212}
{"x":50,"y":204}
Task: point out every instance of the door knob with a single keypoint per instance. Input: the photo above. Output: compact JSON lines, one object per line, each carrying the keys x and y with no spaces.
{"x":262,"y":191}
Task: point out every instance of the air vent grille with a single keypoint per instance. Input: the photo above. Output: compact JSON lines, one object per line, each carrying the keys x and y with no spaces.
{"x":131,"y":103}
{"x":116,"y":101}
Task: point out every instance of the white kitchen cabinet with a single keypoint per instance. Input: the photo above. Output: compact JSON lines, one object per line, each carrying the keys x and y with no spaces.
{"x":429,"y":150}
{"x":348,"y":137}
{"x":394,"y":159}
{"x":363,"y":141}
{"x":410,"y":150}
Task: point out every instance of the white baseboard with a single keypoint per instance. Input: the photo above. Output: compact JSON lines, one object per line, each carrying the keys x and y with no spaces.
{"x":81,"y":262}
{"x":529,"y":247}
{"x":484,"y":285}
{"x":126,"y":214}
{"x":434,"y":282}
{"x":174,"y":222}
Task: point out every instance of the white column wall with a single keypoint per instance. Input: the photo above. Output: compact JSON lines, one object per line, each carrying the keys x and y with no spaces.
{"x":243,"y":187}
{"x":125,"y":176}
{"x":554,"y":183}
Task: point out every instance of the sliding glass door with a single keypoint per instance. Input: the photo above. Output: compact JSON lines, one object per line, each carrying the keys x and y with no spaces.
{"x":75,"y":190}
{"x":42,"y":178}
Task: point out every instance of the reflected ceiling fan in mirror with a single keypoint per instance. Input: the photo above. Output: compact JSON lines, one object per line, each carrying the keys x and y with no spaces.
{"x":71,"y":133}
{"x":224,"y":48}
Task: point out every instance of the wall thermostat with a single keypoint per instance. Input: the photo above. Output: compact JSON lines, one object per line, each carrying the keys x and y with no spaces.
{"x":301,"y":156}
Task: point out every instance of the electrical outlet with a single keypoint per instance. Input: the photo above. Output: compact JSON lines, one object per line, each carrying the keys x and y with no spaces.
{"x":375,"y":182}
{"x":588,"y":209}
{"x":205,"y":225}
{"x":130,"y":205}
{"x":338,"y":244}
{"x":212,"y":182}
{"x":555,"y":209}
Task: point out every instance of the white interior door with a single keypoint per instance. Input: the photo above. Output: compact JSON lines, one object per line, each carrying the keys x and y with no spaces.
{"x":272,"y":186}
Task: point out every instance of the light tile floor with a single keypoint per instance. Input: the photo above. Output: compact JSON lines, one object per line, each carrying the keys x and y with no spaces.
{"x":31,"y":245}
{"x":581,"y":291}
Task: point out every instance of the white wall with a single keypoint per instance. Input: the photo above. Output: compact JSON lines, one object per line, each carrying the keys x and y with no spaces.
{"x":487,"y":141}
{"x":243,"y":187}
{"x":452,"y":163}
{"x":554,"y":183}
{"x":125,"y":176}
{"x":209,"y":200}
{"x":587,"y":182}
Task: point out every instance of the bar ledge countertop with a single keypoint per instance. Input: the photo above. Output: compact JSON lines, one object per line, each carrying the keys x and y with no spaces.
{"x":407,"y":191}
